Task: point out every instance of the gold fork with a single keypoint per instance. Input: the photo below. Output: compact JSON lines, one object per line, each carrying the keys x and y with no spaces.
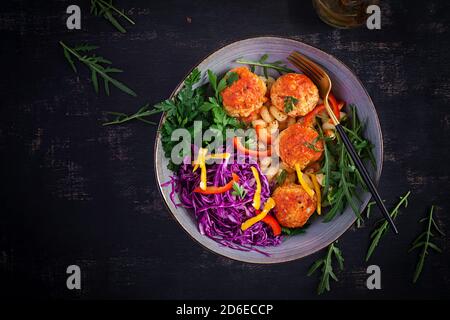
{"x":323,"y":83}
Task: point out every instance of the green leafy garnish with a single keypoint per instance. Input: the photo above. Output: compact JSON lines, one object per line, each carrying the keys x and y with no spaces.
{"x":326,"y":265}
{"x":312,"y":146}
{"x":232,"y":77}
{"x":99,"y":67}
{"x":281,"y":177}
{"x":140,"y":115}
{"x":383,"y":225}
{"x":239,"y":190}
{"x":293,"y":231}
{"x":188,"y":106}
{"x":289,"y":103}
{"x":341,"y":178}
{"x":360,"y":220}
{"x":424,"y":241}
{"x":278,"y":66}
{"x":106,"y":9}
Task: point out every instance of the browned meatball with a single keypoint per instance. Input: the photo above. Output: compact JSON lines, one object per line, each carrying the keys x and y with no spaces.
{"x":298,"y":144}
{"x":293,"y":205}
{"x":246,"y":95}
{"x":294,"y":87}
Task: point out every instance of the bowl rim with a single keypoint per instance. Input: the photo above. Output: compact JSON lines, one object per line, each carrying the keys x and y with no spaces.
{"x":178,"y":88}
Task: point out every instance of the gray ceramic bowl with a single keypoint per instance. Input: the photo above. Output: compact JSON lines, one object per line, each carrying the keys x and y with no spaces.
{"x":345,"y":85}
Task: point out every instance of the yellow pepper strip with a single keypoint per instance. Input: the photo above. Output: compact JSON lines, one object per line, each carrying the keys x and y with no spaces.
{"x":270,"y":203}
{"x":201,"y":162}
{"x":317,"y":189}
{"x":225,"y":155}
{"x":303,"y":182}
{"x":257,"y":196}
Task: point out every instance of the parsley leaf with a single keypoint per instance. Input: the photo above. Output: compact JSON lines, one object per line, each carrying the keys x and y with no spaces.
{"x":289,"y":103}
{"x":239,"y":190}
{"x":232,"y":77}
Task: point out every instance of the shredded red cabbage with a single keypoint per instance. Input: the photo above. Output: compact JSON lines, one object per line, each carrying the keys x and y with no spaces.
{"x":220,"y":216}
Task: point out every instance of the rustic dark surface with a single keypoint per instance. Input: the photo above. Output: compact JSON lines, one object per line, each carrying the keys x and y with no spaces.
{"x":75,"y":192}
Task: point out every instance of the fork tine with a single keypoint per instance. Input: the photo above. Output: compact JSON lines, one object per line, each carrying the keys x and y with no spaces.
{"x":308,"y":65}
{"x":305,"y":69}
{"x":308,"y":62}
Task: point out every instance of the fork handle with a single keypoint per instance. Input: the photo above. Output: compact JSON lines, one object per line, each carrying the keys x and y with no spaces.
{"x":365,"y":175}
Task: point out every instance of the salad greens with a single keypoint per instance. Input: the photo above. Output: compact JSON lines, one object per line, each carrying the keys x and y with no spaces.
{"x":189,"y":105}
{"x":341,"y":178}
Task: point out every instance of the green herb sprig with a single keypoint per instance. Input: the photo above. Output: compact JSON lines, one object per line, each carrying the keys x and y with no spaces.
{"x":383,"y":225}
{"x":326,"y":265}
{"x":278,"y":65}
{"x":424,"y":241}
{"x":360,"y":220}
{"x":293,"y":231}
{"x":289,"y":103}
{"x":99,"y":67}
{"x":220,"y":119}
{"x":106,"y":9}
{"x":140,"y":115}
{"x":281,"y":177}
{"x":239,"y":191}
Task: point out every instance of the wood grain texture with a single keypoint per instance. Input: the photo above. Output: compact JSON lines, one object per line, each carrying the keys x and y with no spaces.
{"x":78,"y":193}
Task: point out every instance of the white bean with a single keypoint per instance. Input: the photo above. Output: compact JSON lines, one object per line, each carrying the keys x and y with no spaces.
{"x":259,"y":122}
{"x":265,"y":162}
{"x":327,"y":126}
{"x":263,"y":135}
{"x":320,"y":178}
{"x":265,"y":115}
{"x":273,"y":127}
{"x":277,"y":114}
{"x":270,"y":173}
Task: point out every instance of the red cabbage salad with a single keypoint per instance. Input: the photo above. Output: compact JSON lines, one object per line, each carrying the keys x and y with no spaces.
{"x":220,"y":216}
{"x":269,"y":183}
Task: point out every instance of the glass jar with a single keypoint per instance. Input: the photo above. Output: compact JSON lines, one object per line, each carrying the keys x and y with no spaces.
{"x":344,"y":14}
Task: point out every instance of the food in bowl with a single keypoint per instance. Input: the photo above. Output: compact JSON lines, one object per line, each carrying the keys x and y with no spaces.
{"x":251,"y":191}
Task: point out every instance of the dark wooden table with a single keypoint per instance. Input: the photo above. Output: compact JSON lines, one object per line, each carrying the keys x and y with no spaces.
{"x":75,"y":192}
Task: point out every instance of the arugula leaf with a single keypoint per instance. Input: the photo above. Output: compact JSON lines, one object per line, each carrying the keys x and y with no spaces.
{"x":281,"y":177}
{"x":106,"y":9}
{"x":424,"y":241}
{"x":289,"y":103}
{"x":278,"y":66}
{"x":326,"y":265}
{"x":383,"y":226}
{"x":97,"y":65}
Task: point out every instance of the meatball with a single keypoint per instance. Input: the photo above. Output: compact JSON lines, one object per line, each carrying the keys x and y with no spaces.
{"x":294,"y":94}
{"x":299,"y":144}
{"x":293,"y":205}
{"x":244,"y":96}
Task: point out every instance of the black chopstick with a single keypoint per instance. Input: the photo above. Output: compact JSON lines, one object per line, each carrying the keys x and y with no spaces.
{"x":365,"y":175}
